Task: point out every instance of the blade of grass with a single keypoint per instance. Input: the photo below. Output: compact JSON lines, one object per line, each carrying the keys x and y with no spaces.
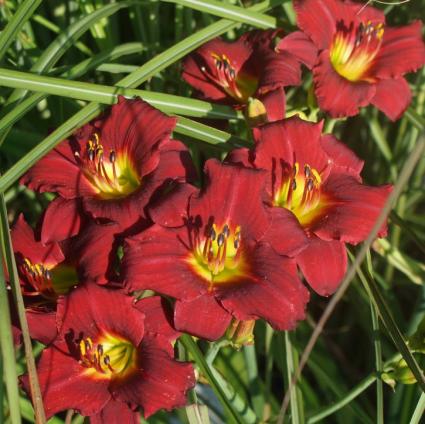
{"x":391,"y":326}
{"x":8,"y":352}
{"x":419,"y":410}
{"x":132,"y":80}
{"x":228,"y":11}
{"x":16,"y":288}
{"x":402,"y":180}
{"x":66,"y":39}
{"x":191,"y":346}
{"x":257,"y":398}
{"x":108,"y":95}
{"x":378,"y":353}
{"x":407,"y":229}
{"x":74,"y":72}
{"x":19,"y":19}
{"x":197,"y":414}
{"x":290,"y":367}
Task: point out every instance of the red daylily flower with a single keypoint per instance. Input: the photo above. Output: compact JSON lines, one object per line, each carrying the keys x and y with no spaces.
{"x":113,"y":165}
{"x":234,"y":72}
{"x":46,"y":271}
{"x":206,"y":251}
{"x":111,"y":356}
{"x":316,"y":179}
{"x":356,"y":58}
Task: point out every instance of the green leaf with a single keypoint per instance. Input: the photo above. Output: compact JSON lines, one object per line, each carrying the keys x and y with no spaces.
{"x":10,"y":374}
{"x":21,"y":16}
{"x":197,"y":414}
{"x":419,"y":410}
{"x":219,"y":389}
{"x":7,"y":248}
{"x":228,"y":11}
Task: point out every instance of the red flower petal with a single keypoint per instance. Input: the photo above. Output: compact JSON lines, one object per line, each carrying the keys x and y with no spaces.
{"x":402,"y":51}
{"x":156,"y":259}
{"x":158,"y":317}
{"x":285,"y":141}
{"x":274,"y":102}
{"x":277,"y":70}
{"x":285,"y":234}
{"x":58,"y":172}
{"x":24,"y":244}
{"x":202,"y":317}
{"x":355,"y":210}
{"x":336,"y":95}
{"x":341,"y":155}
{"x":238,"y":52}
{"x":62,"y":220}
{"x":171,"y":210}
{"x":65,"y":385}
{"x":137,"y":127}
{"x":42,"y":325}
{"x":233,"y":193}
{"x":115,"y":412}
{"x":277,"y":295}
{"x":96,"y":246}
{"x":323,"y":264}
{"x":317,"y":18}
{"x":300,"y":45}
{"x":393,"y":97}
{"x":161,"y":384}
{"x":90,"y":309}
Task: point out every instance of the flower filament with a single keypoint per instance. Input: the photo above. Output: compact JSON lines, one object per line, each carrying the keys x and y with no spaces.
{"x":354,"y":49}
{"x":112,"y":178}
{"x":218,"y":256}
{"x":237,"y":86}
{"x":110,"y":356}
{"x":300,"y":192}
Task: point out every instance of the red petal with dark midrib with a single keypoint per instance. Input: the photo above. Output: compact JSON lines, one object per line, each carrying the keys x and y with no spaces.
{"x":116,"y":412}
{"x":393,"y":97}
{"x":233,"y":195}
{"x":354,"y":210}
{"x":136,"y":127}
{"x":283,"y":142}
{"x":171,"y":210}
{"x":64,"y":386}
{"x":300,"y":45}
{"x":58,"y":172}
{"x":318,"y":18}
{"x":341,"y":156}
{"x":156,"y":259}
{"x":158,"y":317}
{"x":238,"y":52}
{"x":62,"y":220}
{"x":160,"y":384}
{"x":91,"y":310}
{"x":285,"y":235}
{"x":24,"y":243}
{"x":323,"y":264}
{"x":97,"y":249}
{"x":274,"y":102}
{"x":275,"y":293}
{"x":202,"y":317}
{"x":336,"y":95}
{"x":42,"y":325}
{"x":402,"y":51}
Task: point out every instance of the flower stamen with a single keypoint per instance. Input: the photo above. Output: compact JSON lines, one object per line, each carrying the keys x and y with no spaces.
{"x":354,"y":49}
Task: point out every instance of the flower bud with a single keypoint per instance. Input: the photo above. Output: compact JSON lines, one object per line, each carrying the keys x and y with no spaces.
{"x":241,"y":333}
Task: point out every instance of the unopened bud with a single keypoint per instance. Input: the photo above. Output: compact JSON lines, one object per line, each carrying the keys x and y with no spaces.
{"x":241,"y":333}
